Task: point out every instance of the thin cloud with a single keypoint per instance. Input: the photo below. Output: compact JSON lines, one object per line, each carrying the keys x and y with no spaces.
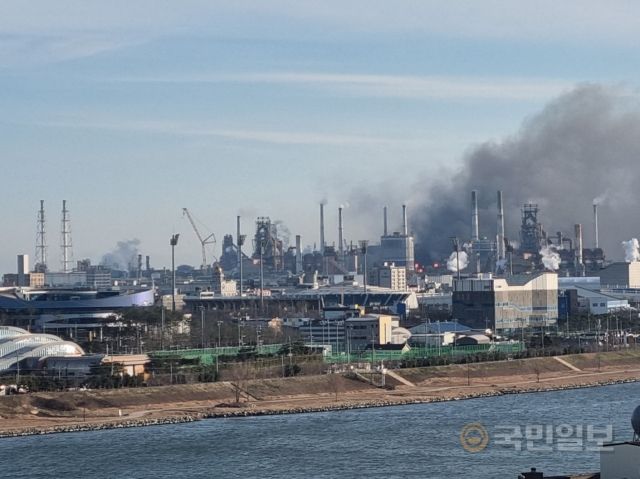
{"x":390,"y":86}
{"x":242,"y":135}
{"x":27,"y":50}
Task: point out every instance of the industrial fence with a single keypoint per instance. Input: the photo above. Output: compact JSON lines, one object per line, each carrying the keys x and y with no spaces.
{"x":428,"y":352}
{"x":210,"y":356}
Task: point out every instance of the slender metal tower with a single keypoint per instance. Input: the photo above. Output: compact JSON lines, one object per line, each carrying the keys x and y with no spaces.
{"x":67,"y":252}
{"x":41,"y":242}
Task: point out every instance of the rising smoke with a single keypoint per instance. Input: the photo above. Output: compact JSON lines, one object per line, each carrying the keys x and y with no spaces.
{"x":462,"y":261}
{"x":550,"y":258}
{"x":124,"y":256}
{"x":586,"y":141}
{"x":284,"y":234}
{"x":631,"y":250}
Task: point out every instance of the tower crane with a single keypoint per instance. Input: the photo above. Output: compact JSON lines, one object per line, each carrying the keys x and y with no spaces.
{"x":211,"y":239}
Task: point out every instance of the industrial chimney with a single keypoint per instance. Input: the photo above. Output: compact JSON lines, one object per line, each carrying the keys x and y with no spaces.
{"x":384,"y":214}
{"x":474,"y":216}
{"x":322,"y":228}
{"x":500,"y":247}
{"x":340,"y":242}
{"x":298,"y":255}
{"x":578,"y":250}
{"x":595,"y":226}
{"x":405,"y":226}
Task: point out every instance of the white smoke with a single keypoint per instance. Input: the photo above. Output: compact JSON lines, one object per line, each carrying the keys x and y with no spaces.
{"x":452,"y":262}
{"x":550,"y":258}
{"x":631,"y":250}
{"x":598,"y":200}
{"x":124,"y":255}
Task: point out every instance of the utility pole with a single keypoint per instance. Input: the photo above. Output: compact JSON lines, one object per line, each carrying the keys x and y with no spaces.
{"x":202,"y":325}
{"x":162,"y":328}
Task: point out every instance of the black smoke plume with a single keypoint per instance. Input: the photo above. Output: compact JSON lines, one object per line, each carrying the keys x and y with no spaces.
{"x":583,"y":146}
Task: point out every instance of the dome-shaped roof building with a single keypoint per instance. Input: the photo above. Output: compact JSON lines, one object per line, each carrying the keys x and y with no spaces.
{"x":18,"y":345}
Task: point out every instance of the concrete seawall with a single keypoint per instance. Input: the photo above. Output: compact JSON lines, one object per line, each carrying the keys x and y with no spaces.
{"x":231,"y":412}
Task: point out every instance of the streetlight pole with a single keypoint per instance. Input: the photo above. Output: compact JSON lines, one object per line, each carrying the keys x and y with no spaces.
{"x":162,"y":328}
{"x":219,"y":342}
{"x":173,"y":242}
{"x":202,"y":325}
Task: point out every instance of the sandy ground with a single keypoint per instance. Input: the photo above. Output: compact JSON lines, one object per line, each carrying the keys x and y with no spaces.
{"x":44,"y":411}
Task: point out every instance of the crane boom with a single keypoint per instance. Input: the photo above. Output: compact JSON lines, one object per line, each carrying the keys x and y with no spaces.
{"x":211,"y":239}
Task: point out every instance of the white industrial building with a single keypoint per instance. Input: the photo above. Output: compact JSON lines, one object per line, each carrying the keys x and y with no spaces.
{"x":523,"y":301}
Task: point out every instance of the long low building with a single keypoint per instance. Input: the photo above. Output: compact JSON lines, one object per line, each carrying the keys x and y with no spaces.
{"x":305,"y":300}
{"x":61,"y":308}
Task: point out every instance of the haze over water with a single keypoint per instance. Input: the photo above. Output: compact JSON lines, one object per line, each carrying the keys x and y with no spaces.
{"x":394,"y":442}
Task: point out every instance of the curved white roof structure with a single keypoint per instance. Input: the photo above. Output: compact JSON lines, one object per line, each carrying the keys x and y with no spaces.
{"x":11,"y":331}
{"x":17,"y":344}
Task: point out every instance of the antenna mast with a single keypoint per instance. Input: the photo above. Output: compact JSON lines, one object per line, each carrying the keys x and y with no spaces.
{"x":67,"y":254}
{"x":41,"y":242}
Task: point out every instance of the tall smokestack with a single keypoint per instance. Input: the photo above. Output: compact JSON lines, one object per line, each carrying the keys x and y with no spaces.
{"x":322,"y":228}
{"x":240,"y":242}
{"x":405,"y":226}
{"x":578,"y":251}
{"x":298,"y":255}
{"x":148,"y":263}
{"x":340,"y":247}
{"x":474,"y":216}
{"x":384,"y":217}
{"x":595,"y":226}
{"x":500,"y":246}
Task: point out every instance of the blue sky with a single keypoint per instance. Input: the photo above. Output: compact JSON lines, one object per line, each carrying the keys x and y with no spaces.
{"x":133,"y":110}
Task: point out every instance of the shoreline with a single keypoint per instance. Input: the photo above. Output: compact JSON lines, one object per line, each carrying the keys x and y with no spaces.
{"x":218,"y":412}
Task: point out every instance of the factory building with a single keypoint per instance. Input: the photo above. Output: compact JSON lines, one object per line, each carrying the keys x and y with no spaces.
{"x":388,"y":276}
{"x":398,"y":249}
{"x":584,"y":294}
{"x":621,"y":275}
{"x":371,"y":329}
{"x":500,"y":303}
{"x":221,"y":286}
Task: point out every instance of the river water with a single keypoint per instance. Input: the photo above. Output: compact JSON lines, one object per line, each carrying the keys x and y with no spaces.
{"x":421,"y":441}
